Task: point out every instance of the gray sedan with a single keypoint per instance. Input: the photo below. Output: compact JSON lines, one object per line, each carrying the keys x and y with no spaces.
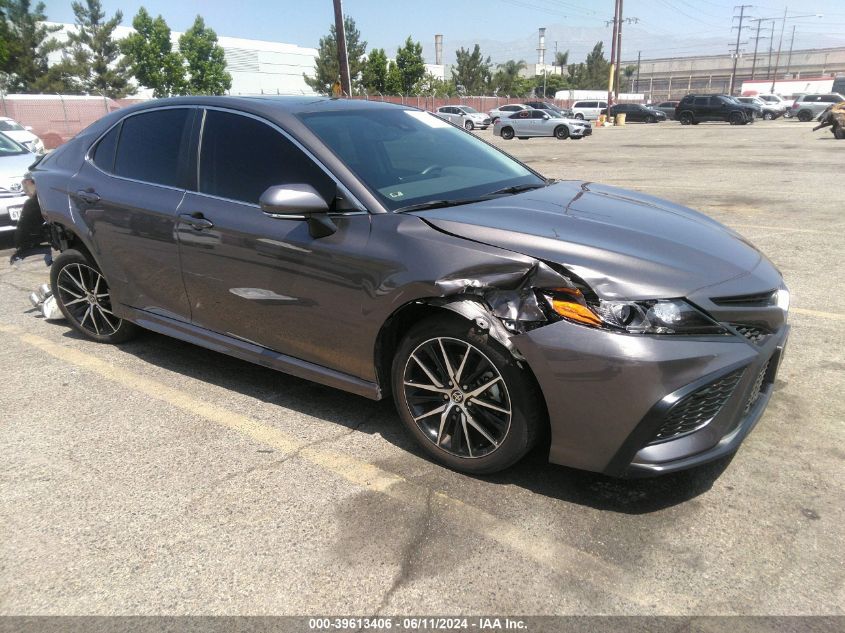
{"x":528,"y":123}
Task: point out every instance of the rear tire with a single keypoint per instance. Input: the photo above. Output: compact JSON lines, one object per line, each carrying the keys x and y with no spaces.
{"x":686,"y":118}
{"x":561,"y":132}
{"x":507,"y":133}
{"x":805,"y":116}
{"x":768,"y":116}
{"x":475,"y":434}
{"x":579,"y":116}
{"x":83,"y":296}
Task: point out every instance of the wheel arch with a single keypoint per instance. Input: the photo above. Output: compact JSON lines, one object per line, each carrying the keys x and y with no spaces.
{"x":63,"y":238}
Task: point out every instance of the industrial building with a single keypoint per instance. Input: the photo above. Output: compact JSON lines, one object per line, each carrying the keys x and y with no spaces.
{"x":672,"y":77}
{"x":256,"y":66}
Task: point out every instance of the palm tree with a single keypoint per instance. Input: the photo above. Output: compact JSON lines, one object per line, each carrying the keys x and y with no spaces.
{"x":562,"y":59}
{"x":507,"y":75}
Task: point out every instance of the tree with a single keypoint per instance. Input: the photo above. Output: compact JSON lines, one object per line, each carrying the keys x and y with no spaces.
{"x":562,"y":59}
{"x":627,"y":75}
{"x":326,"y":67}
{"x":553,"y":84}
{"x":472,"y":71}
{"x":411,"y":65}
{"x":597,"y":69}
{"x":206,"y":61}
{"x":95,"y":60}
{"x":26,"y":43}
{"x":150,"y":55}
{"x":374,"y":73}
{"x":506,"y":80}
{"x":393,"y":83}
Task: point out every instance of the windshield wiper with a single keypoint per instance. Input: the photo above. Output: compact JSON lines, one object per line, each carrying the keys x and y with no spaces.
{"x":519,"y":188}
{"x":437,"y":204}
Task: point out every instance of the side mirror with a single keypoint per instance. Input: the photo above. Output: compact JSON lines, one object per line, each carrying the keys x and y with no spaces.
{"x":546,"y":117}
{"x":280,"y":201}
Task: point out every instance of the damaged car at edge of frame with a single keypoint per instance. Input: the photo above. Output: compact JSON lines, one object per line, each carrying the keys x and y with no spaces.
{"x":378,"y":249}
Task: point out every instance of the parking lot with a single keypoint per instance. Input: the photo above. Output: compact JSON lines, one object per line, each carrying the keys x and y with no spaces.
{"x":162,"y":478}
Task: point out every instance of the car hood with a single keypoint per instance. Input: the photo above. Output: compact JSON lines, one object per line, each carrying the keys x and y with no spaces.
{"x":13,"y":168}
{"x":21,"y":136}
{"x":622,"y":243}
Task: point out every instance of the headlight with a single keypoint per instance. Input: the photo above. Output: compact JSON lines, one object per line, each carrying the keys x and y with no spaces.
{"x":658,"y":316}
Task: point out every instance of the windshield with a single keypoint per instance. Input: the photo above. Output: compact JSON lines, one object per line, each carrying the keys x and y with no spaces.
{"x":469,"y":110}
{"x":9,"y":126}
{"x":9,"y":148}
{"x":408,"y":157}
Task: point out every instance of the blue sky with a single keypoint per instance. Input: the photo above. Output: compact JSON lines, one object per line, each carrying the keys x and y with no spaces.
{"x":504,"y":28}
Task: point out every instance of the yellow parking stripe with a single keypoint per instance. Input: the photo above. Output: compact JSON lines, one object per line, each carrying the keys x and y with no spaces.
{"x":838,"y":316}
{"x":545,"y":550}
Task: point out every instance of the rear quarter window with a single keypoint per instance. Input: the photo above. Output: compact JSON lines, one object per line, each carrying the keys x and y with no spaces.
{"x":151,"y":144}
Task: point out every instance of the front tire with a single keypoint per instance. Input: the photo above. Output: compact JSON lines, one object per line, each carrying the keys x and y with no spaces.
{"x":463,"y":397}
{"x":468,"y":126}
{"x":768,"y":116}
{"x":507,"y":133}
{"x":83,"y":296}
{"x":686,"y":118}
{"x":561,"y":132}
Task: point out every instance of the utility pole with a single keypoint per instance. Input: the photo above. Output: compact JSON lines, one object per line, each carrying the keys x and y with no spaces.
{"x":613,"y":42}
{"x":777,"y":59}
{"x":791,"y":42}
{"x":742,"y":9}
{"x":637,"y":81}
{"x":771,"y":45}
{"x":342,"y":57}
{"x":618,"y":54}
{"x":757,"y":39}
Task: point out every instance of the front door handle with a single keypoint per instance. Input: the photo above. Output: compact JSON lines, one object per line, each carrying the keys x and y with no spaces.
{"x":197,"y":220}
{"x":88,"y":196}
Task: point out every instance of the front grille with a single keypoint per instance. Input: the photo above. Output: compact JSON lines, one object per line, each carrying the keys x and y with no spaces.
{"x":753,"y":333}
{"x":757,"y":300}
{"x":699,"y":408}
{"x":757,"y":387}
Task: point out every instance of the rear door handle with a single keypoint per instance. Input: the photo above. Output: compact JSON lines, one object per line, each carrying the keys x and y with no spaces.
{"x":197,"y":220}
{"x":88,"y":196}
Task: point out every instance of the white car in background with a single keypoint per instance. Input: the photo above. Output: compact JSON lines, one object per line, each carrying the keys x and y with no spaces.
{"x":466,"y":117}
{"x":506,"y":111}
{"x":15,"y":160}
{"x":21,"y":134}
{"x":589,"y":109}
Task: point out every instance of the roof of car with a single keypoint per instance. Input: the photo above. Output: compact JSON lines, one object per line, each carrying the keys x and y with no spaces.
{"x":280,"y":104}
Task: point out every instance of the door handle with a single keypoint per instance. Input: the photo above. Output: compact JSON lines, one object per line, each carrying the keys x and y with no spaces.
{"x":197,"y":220}
{"x":88,"y":196}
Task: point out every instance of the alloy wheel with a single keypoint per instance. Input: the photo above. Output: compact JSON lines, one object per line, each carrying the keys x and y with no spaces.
{"x":85,"y":295}
{"x":457,"y":397}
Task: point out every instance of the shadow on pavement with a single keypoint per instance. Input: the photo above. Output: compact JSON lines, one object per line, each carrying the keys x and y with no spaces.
{"x":534,"y":473}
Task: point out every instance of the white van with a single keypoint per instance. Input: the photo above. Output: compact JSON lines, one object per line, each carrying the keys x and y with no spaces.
{"x":588,"y":109}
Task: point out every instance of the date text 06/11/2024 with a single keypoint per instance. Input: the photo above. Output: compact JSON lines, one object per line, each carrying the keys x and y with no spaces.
{"x":417,"y":624}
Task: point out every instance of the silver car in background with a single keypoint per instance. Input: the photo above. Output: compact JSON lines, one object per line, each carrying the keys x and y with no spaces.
{"x":15,"y":160}
{"x":506,"y":111}
{"x":530,"y":123}
{"x":808,"y":107}
{"x":466,"y":117}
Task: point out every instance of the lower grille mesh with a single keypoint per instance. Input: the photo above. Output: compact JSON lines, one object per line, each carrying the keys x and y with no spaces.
{"x":698,"y":408}
{"x":753,"y":333}
{"x":758,"y":386}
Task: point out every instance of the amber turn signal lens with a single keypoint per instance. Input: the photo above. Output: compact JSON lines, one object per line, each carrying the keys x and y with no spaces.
{"x":575,"y":312}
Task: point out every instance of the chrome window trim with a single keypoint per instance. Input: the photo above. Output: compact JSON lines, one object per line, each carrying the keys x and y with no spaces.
{"x":343,"y":189}
{"x":89,"y":159}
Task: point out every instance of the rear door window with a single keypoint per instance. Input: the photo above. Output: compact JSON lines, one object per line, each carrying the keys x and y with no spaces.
{"x":241,"y":157}
{"x":103,"y":156}
{"x":152,"y":146}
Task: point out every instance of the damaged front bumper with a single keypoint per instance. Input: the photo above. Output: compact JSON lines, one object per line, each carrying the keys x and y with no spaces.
{"x":633,"y":405}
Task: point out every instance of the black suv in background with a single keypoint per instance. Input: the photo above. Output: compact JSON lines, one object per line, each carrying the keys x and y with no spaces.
{"x":694,"y":109}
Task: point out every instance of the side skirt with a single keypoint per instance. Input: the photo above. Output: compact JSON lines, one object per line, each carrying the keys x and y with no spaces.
{"x":251,"y":352}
